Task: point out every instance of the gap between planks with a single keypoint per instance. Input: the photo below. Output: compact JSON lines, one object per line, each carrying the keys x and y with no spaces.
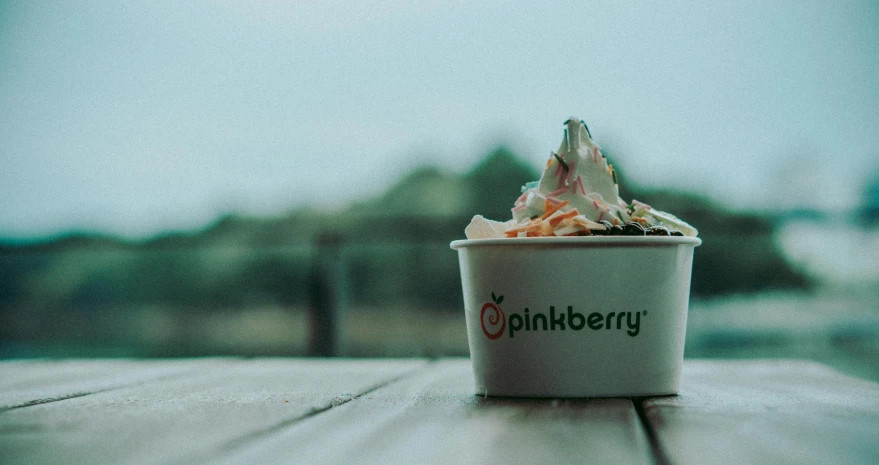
{"x":49,"y":400}
{"x":659,"y":455}
{"x":256,"y":435}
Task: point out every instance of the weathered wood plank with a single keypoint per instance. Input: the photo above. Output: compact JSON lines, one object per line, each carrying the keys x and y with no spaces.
{"x":435,"y":418}
{"x":189,"y":418}
{"x":775,"y":412}
{"x":35,"y":381}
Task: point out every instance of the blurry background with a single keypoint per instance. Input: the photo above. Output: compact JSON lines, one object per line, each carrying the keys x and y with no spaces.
{"x":202,"y":178}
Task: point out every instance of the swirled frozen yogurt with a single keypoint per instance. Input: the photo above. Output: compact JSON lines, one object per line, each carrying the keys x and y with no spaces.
{"x":578,"y":195}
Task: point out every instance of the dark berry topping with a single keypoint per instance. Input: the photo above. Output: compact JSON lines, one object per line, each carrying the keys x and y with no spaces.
{"x":606,"y":231}
{"x":633,"y":229}
{"x":658,"y":231}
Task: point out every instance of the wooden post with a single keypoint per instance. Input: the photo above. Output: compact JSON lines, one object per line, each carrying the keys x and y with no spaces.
{"x":327,"y":294}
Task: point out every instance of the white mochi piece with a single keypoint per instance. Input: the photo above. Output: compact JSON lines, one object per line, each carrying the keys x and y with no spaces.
{"x":670,"y":221}
{"x":483,"y":228}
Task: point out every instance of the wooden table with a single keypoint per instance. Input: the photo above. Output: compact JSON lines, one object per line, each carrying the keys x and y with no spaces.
{"x":262,"y":411}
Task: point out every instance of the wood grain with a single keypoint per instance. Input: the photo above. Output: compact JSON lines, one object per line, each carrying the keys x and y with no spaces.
{"x":187,"y":419}
{"x":226,"y":411}
{"x":434,"y":417}
{"x":767,"y":412}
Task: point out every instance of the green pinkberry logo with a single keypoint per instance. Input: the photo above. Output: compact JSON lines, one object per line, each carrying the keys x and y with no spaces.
{"x":497,"y":321}
{"x":494,"y":321}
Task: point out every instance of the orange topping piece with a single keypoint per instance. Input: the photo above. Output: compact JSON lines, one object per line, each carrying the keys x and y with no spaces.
{"x":550,"y":209}
{"x":555,"y":220}
{"x":528,"y":228}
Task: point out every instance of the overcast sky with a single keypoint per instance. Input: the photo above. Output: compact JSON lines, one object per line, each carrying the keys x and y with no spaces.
{"x":136,"y":117}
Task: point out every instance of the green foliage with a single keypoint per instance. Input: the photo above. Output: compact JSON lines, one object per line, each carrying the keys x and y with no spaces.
{"x":394,"y":248}
{"x":496,"y":182}
{"x":738,"y":252}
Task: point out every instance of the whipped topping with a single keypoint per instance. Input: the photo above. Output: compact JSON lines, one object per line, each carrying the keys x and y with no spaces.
{"x":577,"y":194}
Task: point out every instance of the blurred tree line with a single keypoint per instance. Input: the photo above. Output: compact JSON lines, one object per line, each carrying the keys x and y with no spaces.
{"x":394,"y":248}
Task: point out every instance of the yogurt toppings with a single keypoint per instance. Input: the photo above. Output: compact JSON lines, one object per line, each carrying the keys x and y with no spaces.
{"x":577,"y":195}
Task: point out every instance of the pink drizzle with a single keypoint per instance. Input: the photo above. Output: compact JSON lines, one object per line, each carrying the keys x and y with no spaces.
{"x":559,"y":173}
{"x":579,"y":184}
{"x":558,"y":191}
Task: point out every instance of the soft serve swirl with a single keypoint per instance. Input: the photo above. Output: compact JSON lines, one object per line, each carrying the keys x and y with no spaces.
{"x":577,"y":195}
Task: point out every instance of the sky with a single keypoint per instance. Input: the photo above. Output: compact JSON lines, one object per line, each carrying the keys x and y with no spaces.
{"x":133,"y":118}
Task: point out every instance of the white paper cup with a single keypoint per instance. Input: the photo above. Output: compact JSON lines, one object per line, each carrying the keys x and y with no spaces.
{"x":576,"y":316}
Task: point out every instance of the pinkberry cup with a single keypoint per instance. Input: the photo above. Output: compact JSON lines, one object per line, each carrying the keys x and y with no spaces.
{"x":588,"y":316}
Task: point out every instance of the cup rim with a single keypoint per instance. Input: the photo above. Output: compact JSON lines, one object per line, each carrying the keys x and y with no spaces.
{"x":579,"y":241}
